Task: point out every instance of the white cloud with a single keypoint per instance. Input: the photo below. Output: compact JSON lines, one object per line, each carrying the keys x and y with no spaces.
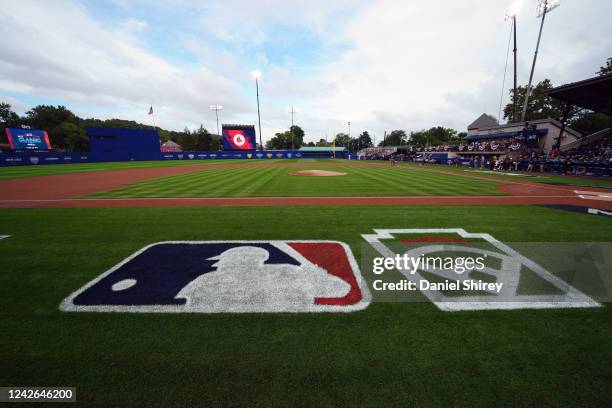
{"x":61,"y":52}
{"x":409,"y":64}
{"x":133,"y":25}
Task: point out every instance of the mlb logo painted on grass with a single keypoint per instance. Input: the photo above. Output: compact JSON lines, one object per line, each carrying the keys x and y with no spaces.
{"x":229,"y":276}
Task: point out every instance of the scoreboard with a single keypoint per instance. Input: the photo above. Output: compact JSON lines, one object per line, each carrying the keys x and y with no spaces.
{"x":28,"y":139}
{"x":238,"y":137}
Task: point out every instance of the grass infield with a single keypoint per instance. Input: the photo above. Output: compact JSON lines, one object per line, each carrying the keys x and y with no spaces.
{"x":400,"y":354}
{"x":249,"y":181}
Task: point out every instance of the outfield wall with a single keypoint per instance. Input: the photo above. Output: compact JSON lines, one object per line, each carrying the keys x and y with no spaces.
{"x":39,"y":158}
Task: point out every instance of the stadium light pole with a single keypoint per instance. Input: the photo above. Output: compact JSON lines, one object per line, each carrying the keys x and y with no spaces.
{"x":348,"y":142}
{"x":543,"y":7}
{"x":511,"y":13}
{"x":292,"y":111}
{"x":217,"y":108}
{"x":257,"y":74}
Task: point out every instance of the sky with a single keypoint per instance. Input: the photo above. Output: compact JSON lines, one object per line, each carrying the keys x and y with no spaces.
{"x":380,"y":65}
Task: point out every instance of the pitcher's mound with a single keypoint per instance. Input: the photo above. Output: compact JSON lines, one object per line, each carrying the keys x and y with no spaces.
{"x":319,"y":173}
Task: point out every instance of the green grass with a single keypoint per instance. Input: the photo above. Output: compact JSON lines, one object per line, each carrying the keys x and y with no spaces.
{"x":10,"y":172}
{"x":278,"y":181}
{"x":52,"y":169}
{"x":535,"y":177}
{"x":401,"y":354}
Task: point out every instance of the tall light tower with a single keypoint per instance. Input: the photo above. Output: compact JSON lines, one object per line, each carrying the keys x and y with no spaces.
{"x":292,"y":111}
{"x":543,"y":7}
{"x":511,"y":13}
{"x":349,"y":137}
{"x":217,"y":108}
{"x":257,"y":74}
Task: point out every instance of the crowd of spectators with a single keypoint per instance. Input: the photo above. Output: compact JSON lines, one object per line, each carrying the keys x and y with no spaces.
{"x":513,"y":155}
{"x":599,"y":152}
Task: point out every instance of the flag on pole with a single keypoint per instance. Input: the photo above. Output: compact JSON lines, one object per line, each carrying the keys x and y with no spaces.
{"x":151,"y":110}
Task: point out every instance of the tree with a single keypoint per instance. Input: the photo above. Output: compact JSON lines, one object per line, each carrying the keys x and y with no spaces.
{"x":73,"y":137}
{"x":434,"y":136}
{"x":590,"y":122}
{"x":539,"y":105}
{"x":8,"y":119}
{"x":365,"y":140}
{"x":607,"y":69}
{"x":285,"y":140}
{"x":47,"y":117}
{"x":280,"y":141}
{"x":298,"y":136}
{"x":203,"y":139}
{"x":395,"y":138}
{"x":188,"y":140}
{"x":342,"y":140}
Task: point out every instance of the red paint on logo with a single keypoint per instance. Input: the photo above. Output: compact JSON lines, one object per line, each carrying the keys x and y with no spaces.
{"x":331,"y":257}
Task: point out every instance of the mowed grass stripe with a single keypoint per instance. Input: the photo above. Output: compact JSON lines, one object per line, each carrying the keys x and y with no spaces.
{"x":10,"y":172}
{"x":279,"y":181}
{"x":201,"y":183}
{"x":191,"y":184}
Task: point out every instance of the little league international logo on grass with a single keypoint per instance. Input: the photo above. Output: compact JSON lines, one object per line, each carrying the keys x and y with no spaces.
{"x":228,"y":276}
{"x":457,"y":270}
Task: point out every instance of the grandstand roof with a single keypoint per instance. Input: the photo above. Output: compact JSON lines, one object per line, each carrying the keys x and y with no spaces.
{"x":520,"y":125}
{"x":593,"y":93}
{"x":497,"y":135}
{"x":483,"y":121}
{"x":322,"y":149}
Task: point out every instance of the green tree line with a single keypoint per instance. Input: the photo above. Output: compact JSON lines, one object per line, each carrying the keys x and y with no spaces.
{"x":67,"y":131}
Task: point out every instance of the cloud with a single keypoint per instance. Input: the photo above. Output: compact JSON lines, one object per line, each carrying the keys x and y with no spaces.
{"x":382,"y":64}
{"x":133,"y":25}
{"x":61,"y":52}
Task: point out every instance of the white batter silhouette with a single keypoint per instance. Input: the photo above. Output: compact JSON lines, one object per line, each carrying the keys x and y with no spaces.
{"x":242,"y":283}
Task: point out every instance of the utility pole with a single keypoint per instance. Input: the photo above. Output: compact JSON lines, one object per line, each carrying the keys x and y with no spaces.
{"x":217,"y":108}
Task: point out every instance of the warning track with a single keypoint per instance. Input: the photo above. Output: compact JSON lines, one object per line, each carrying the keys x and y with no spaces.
{"x":58,"y":191}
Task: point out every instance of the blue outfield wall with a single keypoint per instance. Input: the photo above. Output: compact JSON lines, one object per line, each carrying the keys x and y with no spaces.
{"x":43,"y":157}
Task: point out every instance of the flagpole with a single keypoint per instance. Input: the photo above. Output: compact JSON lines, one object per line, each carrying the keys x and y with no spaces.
{"x":152,"y":113}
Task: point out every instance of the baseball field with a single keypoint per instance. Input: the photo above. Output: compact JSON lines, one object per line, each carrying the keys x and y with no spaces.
{"x":63,"y":226}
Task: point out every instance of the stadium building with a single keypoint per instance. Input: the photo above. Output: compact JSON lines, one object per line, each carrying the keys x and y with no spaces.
{"x":486,"y":136}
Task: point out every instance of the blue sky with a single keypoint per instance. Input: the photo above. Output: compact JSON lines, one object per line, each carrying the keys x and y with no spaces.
{"x":382,"y":64}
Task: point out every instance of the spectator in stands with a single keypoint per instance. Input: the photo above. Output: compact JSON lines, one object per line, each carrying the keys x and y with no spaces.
{"x":531,"y":162}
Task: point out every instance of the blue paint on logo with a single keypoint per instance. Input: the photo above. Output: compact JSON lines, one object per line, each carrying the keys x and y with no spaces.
{"x":162,"y":270}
